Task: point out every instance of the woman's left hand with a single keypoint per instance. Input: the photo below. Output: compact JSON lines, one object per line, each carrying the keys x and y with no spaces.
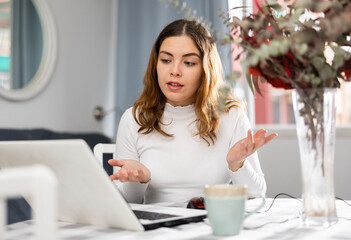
{"x":247,"y":146}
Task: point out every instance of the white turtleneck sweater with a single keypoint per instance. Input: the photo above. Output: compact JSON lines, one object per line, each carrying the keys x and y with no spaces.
{"x":182,"y":165}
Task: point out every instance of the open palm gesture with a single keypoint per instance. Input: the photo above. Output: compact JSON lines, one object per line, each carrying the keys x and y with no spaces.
{"x":247,"y":146}
{"x":131,"y":171}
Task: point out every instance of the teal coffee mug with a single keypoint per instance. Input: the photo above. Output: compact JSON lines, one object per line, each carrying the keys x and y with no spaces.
{"x":225,"y":205}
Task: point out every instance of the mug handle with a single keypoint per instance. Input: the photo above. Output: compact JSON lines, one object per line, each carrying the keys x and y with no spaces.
{"x":263,"y":202}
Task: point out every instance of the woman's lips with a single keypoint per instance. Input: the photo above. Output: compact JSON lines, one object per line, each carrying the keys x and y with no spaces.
{"x":174,"y":85}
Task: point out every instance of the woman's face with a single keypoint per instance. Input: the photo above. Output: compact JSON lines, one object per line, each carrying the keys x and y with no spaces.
{"x":179,"y":68}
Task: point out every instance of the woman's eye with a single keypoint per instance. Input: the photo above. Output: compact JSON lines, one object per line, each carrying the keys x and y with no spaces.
{"x":165,"y":60}
{"x":189,"y":63}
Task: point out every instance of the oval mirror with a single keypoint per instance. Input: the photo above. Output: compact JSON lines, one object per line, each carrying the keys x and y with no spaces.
{"x":28,"y":48}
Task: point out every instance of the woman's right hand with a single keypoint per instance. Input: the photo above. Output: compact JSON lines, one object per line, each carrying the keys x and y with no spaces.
{"x":131,"y":171}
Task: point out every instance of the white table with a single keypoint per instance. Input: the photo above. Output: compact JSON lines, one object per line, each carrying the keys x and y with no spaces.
{"x":280,"y":222}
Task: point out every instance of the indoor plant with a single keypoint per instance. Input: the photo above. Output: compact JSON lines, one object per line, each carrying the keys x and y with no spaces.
{"x":286,"y":46}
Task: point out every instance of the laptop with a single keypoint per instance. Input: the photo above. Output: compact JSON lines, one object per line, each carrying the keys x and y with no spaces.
{"x":86,"y":195}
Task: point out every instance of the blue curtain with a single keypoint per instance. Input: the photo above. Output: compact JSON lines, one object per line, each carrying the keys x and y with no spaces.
{"x":26,"y":42}
{"x":139,"y":23}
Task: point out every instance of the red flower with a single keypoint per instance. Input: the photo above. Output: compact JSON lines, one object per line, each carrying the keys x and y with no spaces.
{"x":346,"y":68}
{"x":348,"y":75}
{"x":255,"y":71}
{"x":278,"y":83}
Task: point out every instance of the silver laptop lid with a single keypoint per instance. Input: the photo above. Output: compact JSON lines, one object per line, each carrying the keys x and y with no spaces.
{"x":85,"y":193}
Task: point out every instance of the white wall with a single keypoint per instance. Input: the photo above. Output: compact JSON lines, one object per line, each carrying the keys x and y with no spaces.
{"x":280,"y":161}
{"x":82,"y":78}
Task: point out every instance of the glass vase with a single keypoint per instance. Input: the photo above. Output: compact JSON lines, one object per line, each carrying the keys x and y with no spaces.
{"x":315,"y":113}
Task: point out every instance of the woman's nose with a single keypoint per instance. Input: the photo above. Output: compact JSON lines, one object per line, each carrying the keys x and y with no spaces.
{"x":176,"y":71}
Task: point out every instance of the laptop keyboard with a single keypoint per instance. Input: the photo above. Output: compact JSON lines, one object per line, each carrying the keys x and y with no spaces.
{"x":152,"y":215}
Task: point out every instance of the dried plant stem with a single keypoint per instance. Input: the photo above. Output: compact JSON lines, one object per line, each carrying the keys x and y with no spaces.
{"x":314,"y":113}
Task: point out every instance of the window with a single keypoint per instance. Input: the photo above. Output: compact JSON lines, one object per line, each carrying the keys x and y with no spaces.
{"x":5,"y":43}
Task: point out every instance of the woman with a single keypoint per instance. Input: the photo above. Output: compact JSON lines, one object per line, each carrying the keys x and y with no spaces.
{"x":176,"y":139}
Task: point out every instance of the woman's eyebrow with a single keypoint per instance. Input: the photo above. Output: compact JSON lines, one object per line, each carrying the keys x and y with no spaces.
{"x":191,"y":54}
{"x":167,"y":53}
{"x":185,"y":55}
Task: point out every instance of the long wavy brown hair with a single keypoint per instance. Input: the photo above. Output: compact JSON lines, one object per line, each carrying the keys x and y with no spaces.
{"x":149,"y":107}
